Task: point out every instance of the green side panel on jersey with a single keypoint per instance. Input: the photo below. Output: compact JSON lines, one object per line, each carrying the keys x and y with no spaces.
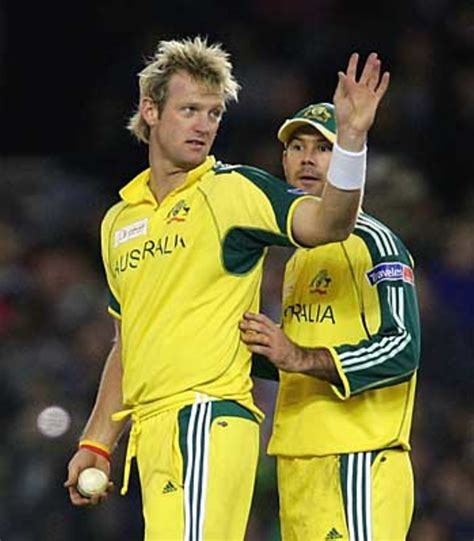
{"x":276,"y":190}
{"x":262,"y":368}
{"x":242,"y":248}
{"x":114,"y":304}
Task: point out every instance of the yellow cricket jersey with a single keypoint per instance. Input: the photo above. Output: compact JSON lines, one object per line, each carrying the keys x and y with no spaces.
{"x":181,"y":273}
{"x":357,"y":298}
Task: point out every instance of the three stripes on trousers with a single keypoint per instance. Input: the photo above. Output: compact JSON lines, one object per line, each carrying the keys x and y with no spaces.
{"x":356,"y":478}
{"x":195,"y":480}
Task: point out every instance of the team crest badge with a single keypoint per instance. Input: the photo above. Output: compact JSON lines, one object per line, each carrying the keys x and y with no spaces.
{"x":320,"y":283}
{"x":178,"y":213}
{"x":320,"y":113}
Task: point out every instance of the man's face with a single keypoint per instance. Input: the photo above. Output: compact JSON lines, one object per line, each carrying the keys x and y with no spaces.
{"x":306,"y":160}
{"x":187,"y":125}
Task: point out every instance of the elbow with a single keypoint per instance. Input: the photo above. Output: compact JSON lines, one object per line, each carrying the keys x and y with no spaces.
{"x":338,"y":234}
{"x":342,"y":234}
{"x":341,"y":230}
{"x":413,"y":354}
{"x":334,"y":235}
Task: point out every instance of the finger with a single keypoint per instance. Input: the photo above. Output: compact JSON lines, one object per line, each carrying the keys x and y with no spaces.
{"x":250,"y":326}
{"x":255,"y":338}
{"x":262,"y":318}
{"x":94,"y":500}
{"x":368,"y":68}
{"x":105,"y":495}
{"x":382,"y":88}
{"x":338,"y":91}
{"x":374,"y":76}
{"x":259,"y":326}
{"x":71,"y":477}
{"x":77,"y":498}
{"x":341,"y":90}
{"x":261,"y":350}
{"x":352,"y":66}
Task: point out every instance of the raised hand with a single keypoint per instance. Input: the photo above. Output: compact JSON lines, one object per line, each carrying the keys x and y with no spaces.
{"x":357,"y":101}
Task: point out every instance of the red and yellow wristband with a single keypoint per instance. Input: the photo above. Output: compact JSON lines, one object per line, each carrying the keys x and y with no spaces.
{"x":95,"y":447}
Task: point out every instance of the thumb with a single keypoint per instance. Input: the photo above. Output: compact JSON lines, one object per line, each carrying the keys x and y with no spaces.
{"x":71,"y":480}
{"x":341,"y":86}
{"x":68,"y":483}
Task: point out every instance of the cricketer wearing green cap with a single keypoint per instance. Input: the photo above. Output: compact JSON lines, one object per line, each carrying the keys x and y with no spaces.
{"x":320,"y":116}
{"x":347,"y":355}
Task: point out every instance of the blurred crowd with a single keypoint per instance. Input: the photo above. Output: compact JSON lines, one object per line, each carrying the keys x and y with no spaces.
{"x":54,"y":330}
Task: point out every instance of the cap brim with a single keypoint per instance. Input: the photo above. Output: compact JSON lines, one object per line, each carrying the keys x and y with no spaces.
{"x":292,"y":124}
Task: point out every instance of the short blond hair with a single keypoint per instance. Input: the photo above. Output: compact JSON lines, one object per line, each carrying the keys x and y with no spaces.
{"x":207,"y":64}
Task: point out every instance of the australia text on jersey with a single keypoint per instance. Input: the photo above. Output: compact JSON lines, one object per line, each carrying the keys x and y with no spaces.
{"x":163,"y":246}
{"x":311,"y":313}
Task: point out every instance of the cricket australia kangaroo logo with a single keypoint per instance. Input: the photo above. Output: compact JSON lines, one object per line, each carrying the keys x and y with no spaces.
{"x":319,"y":113}
{"x":320,"y":283}
{"x":178,"y":213}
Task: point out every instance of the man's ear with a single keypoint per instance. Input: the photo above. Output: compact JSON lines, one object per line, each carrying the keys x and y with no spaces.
{"x":149,"y":111}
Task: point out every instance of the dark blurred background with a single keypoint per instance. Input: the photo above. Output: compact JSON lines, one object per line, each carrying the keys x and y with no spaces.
{"x":67,"y":85}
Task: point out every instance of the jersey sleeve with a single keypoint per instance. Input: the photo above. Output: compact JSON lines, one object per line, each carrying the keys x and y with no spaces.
{"x":114,"y":307}
{"x":390,"y":353}
{"x":257,"y":213}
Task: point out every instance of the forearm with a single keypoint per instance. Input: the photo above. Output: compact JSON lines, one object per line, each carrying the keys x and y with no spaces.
{"x":331,"y":219}
{"x":344,"y":187}
{"x":351,"y":140}
{"x":100,"y":426}
{"x":338,"y":213}
{"x":316,"y":362}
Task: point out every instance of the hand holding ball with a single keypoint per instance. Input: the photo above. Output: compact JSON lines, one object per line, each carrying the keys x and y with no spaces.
{"x":92,"y":482}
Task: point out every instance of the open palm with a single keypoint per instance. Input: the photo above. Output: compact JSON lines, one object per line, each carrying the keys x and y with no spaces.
{"x":356,"y":101}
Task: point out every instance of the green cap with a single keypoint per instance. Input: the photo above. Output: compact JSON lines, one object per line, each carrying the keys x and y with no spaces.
{"x":321,"y":116}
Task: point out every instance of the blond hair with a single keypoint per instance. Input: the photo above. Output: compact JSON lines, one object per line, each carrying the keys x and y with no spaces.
{"x":207,"y":64}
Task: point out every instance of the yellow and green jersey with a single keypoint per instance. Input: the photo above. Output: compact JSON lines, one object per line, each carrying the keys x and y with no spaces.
{"x":181,"y":273}
{"x":358,"y":299}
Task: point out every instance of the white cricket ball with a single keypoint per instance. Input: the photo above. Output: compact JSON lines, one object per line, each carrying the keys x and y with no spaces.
{"x":92,"y":482}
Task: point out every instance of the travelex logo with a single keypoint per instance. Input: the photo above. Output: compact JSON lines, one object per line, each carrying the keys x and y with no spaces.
{"x":390,"y":272}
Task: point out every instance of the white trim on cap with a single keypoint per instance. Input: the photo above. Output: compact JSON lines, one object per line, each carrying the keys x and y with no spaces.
{"x":284,"y":132}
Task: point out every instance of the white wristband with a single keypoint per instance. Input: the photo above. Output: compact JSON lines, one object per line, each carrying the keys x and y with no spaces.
{"x":347,"y":169}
